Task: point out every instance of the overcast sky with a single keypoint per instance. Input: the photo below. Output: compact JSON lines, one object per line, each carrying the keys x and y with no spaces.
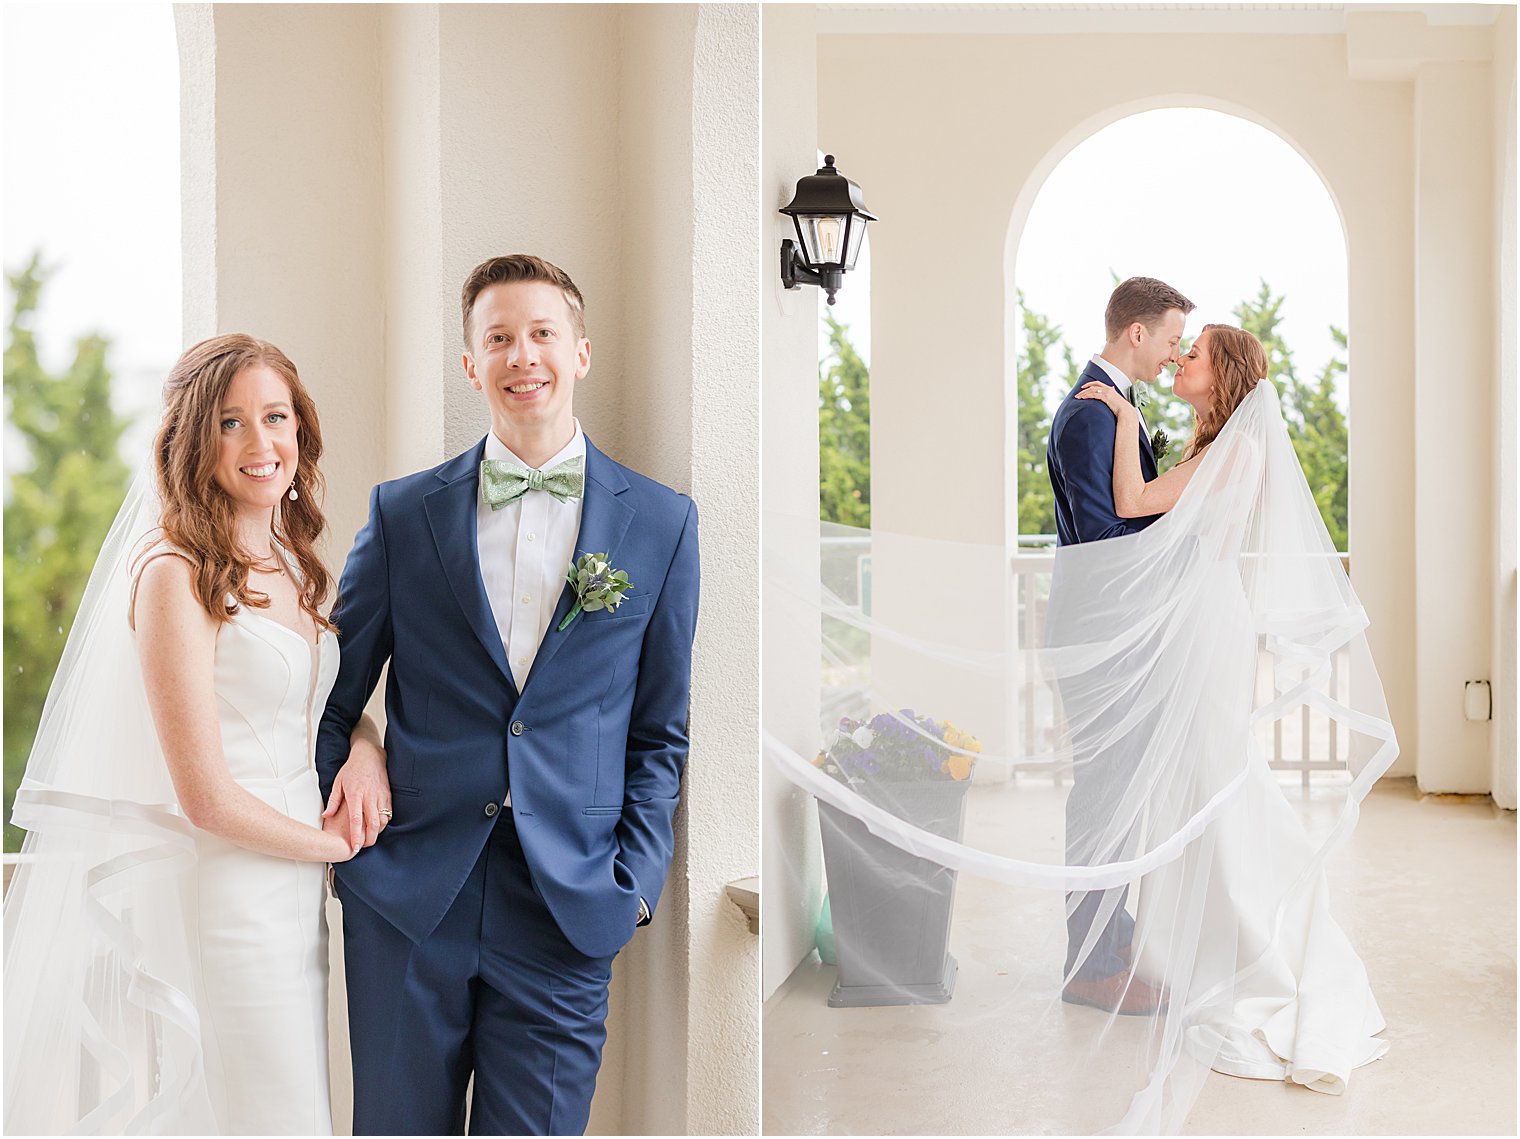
{"x":1235,"y":204}
{"x":92,"y":180}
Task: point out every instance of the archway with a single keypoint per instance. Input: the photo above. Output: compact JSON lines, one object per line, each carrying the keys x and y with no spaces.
{"x":1233,"y":215}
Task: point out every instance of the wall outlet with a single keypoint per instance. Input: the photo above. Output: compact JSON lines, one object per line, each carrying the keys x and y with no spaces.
{"x":1478,"y":700}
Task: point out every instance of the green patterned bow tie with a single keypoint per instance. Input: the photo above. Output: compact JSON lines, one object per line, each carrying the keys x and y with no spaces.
{"x":504,"y":481}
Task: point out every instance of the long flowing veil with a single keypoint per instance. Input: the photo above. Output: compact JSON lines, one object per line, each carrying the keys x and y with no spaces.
{"x":102,"y":980}
{"x":1025,"y":765}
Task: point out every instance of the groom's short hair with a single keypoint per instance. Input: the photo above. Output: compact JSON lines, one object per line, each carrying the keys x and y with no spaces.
{"x":1142,"y":299}
{"x":521,"y":267}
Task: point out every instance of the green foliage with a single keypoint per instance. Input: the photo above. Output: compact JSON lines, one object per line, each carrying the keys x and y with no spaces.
{"x":844,"y":432}
{"x":1037,"y":500}
{"x":1321,"y":438}
{"x":1315,"y":421}
{"x":58,"y":509}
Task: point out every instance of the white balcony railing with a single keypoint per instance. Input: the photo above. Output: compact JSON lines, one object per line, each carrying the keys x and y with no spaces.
{"x":1305,"y":741}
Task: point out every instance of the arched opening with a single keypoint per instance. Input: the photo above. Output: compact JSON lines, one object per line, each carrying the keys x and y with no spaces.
{"x":1230,"y":213}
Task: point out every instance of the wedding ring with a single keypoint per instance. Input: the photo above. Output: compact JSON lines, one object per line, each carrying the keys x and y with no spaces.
{"x":384,"y":814}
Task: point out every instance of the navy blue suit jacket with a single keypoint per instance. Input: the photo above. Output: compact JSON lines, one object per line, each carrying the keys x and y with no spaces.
{"x":592,"y":748}
{"x":1080,"y":460}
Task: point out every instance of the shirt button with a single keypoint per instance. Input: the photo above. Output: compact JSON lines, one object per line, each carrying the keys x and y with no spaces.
{"x":491,"y":809}
{"x":517,"y":727}
{"x":532,"y":537}
{"x":527,"y":600}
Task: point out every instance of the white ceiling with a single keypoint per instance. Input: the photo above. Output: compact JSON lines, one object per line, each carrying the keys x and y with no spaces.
{"x":1165,"y":19}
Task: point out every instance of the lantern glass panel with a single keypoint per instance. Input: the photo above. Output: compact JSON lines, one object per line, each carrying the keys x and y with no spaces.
{"x":824,"y":238}
{"x":857,"y":233}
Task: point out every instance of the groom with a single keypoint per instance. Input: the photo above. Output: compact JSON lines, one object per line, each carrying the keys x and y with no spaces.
{"x":534,"y":745}
{"x":1143,"y":326}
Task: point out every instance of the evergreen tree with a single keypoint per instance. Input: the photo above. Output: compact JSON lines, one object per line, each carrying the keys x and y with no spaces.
{"x":1261,"y":317}
{"x":844,"y":432}
{"x":1321,"y":439}
{"x":1315,"y":421}
{"x":60,"y":505}
{"x":1037,"y":504}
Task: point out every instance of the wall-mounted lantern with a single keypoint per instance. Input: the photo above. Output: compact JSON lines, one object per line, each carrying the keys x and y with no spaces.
{"x":830,"y":216}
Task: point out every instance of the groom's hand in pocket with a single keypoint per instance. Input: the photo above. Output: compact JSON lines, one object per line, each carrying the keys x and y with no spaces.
{"x":362,"y":790}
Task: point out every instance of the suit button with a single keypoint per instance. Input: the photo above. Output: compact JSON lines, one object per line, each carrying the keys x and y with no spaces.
{"x":491,"y":809}
{"x":517,"y":727}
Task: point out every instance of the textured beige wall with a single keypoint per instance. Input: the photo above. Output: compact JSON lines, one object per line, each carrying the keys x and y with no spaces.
{"x":723,"y":1034}
{"x":1505,"y":408}
{"x":283,"y":212}
{"x":791,"y":881}
{"x":1454,"y":367}
{"x":688,"y":128}
{"x":422,"y":342}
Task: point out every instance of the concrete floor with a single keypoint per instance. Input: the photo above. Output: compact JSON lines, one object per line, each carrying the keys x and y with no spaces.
{"x":1426,"y":890}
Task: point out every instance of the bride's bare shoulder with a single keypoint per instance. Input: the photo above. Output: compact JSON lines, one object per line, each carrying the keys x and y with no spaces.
{"x":163,"y":584}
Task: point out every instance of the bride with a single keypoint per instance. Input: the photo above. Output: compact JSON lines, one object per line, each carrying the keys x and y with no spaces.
{"x":166,"y":949}
{"x":1304,"y":1010}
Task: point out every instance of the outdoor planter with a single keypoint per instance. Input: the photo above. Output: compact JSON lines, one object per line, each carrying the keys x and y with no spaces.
{"x":891,"y":910}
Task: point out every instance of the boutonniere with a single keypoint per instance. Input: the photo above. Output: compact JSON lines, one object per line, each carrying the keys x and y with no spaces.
{"x":597,"y":586}
{"x":1161,"y":443}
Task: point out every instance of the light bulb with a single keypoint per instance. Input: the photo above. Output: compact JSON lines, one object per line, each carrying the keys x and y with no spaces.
{"x":828,"y":239}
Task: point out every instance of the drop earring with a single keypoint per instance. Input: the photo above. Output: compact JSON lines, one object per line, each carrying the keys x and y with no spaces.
{"x":294,"y":494}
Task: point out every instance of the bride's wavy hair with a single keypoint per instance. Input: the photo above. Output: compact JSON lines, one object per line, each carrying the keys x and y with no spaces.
{"x":199,"y":517}
{"x":1238,"y":362}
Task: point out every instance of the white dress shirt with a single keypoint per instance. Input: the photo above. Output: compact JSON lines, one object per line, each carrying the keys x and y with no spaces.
{"x":1121,"y":381}
{"x":525,"y":549}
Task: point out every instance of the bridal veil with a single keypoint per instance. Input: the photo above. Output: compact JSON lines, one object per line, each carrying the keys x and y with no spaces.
{"x":998,"y":749}
{"x":102,"y":981}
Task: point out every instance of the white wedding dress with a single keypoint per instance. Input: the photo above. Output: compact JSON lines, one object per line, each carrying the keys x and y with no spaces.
{"x":1291,"y":997}
{"x":261,"y":925}
{"x":189,"y":994}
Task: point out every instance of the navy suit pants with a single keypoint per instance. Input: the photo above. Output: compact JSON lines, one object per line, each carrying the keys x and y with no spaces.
{"x":496,"y":991}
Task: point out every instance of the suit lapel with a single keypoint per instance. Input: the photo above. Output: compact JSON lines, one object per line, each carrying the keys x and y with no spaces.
{"x":452,"y":518}
{"x":1094,"y":372}
{"x":1146,"y":450}
{"x":605,"y":518}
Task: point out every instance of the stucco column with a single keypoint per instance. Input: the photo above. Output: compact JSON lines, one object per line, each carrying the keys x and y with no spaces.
{"x":1504,"y":407}
{"x":689,"y":414}
{"x":1454,"y":312}
{"x":939,"y":390}
{"x":791,"y":879}
{"x":283,"y":212}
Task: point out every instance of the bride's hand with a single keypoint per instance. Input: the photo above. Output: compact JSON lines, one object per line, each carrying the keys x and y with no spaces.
{"x":336,"y":826}
{"x":1097,"y":389}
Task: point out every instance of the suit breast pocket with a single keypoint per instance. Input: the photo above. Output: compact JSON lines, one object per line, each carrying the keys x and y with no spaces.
{"x":632,"y":606}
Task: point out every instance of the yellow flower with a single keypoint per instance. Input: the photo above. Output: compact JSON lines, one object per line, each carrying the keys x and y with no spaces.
{"x":820,"y":759}
{"x":959,"y":767}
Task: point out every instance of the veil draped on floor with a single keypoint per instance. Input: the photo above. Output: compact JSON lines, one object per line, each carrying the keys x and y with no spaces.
{"x":1008,"y":761}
